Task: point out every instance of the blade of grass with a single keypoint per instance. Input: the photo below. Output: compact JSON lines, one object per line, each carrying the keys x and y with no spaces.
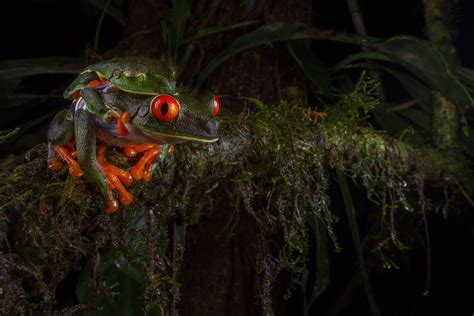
{"x":112,"y":10}
{"x":323,"y":273}
{"x":218,"y":29}
{"x":15,"y":68}
{"x":351,"y":219}
{"x":314,"y":69}
{"x":99,"y":25}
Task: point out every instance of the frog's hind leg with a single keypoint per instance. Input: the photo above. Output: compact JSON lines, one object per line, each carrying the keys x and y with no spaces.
{"x":60,"y":136}
{"x":107,"y":176}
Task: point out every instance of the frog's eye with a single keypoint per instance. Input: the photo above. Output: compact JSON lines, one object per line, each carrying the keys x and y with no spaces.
{"x":216,"y":105}
{"x":165,"y":108}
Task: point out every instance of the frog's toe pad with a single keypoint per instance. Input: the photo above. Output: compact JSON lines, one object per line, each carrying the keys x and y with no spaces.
{"x":55,"y":165}
{"x":67,"y":154}
{"x":111,"y":206}
{"x":117,"y":179}
{"x":142,"y":169}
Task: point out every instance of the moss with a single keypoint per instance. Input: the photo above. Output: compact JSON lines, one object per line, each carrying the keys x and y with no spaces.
{"x":274,"y":164}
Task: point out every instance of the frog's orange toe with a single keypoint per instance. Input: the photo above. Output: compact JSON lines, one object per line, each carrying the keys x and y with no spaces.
{"x":75,"y":171}
{"x":67,"y":154}
{"x":126,"y":198}
{"x":142,"y":169}
{"x":129,"y":151}
{"x":117,"y":179}
{"x":55,"y":165}
{"x":111,"y":206}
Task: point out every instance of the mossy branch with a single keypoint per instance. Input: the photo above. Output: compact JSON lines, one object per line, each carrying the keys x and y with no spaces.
{"x":273,"y":164}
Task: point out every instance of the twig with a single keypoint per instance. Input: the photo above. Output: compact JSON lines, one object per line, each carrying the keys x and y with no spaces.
{"x":356,"y":15}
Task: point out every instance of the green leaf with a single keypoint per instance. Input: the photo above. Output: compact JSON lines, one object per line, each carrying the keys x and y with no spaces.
{"x":417,"y":89}
{"x":265,"y":34}
{"x":260,"y":105}
{"x":352,"y":221}
{"x":39,"y":66}
{"x":368,"y":55}
{"x":313,"y":67}
{"x":417,"y":56}
{"x":180,"y":12}
{"x":427,"y":63}
{"x":323,"y":267}
{"x":18,"y":100}
{"x":466,"y":75}
{"x":5,"y":134}
{"x":395,"y":124}
{"x":218,"y":29}
{"x":112,"y":10}
{"x":123,"y":281}
{"x":420,"y":118}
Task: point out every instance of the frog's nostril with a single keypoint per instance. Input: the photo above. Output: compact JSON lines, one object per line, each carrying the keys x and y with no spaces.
{"x":213,"y":128}
{"x":143,"y":111}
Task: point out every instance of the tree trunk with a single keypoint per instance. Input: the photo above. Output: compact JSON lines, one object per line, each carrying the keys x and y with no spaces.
{"x":219,"y":275}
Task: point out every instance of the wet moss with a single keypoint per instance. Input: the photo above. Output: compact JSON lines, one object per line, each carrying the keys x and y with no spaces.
{"x":274,"y":164}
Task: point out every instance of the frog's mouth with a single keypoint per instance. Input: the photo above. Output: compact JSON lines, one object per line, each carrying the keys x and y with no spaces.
{"x":173,"y":139}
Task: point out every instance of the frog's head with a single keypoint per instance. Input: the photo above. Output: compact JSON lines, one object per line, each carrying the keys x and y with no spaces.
{"x":138,"y":75}
{"x":175,"y":119}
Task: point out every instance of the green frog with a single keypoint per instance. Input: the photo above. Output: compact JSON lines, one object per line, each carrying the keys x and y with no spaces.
{"x":132,"y":103}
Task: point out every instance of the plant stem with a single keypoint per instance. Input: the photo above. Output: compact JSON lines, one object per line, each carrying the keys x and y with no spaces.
{"x":445,"y":113}
{"x":356,"y":15}
{"x":360,"y":28}
{"x":99,"y":25}
{"x":351,"y":218}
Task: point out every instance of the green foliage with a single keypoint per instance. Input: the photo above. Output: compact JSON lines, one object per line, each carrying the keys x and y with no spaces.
{"x":275,"y":164}
{"x":421,"y":61}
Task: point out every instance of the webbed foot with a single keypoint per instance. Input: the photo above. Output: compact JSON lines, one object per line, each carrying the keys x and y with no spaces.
{"x":68,"y":154}
{"x":143,"y":168}
{"x":315,"y":115}
{"x":117,"y":179}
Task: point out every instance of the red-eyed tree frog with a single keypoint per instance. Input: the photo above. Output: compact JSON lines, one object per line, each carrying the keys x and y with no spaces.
{"x":132,"y":103}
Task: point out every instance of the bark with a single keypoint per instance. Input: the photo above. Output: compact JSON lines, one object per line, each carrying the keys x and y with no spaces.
{"x":219,"y":276}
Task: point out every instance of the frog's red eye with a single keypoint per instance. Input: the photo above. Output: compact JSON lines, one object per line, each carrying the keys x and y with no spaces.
{"x":165,"y":108}
{"x":216,"y":105}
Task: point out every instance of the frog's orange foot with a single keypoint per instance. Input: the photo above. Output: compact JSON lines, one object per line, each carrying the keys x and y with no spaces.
{"x":315,"y":115}
{"x":142,"y":169}
{"x":66,"y":153}
{"x":117,"y":179}
{"x":122,"y":119}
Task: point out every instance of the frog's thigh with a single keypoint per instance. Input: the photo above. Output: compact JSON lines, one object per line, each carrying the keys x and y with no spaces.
{"x":60,"y":132}
{"x":94,"y":102}
{"x":61,"y":129}
{"x":86,"y":149}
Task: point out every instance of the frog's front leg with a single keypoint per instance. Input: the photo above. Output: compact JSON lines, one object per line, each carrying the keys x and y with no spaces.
{"x":96,"y":105}
{"x":143,"y":168}
{"x":95,"y":169}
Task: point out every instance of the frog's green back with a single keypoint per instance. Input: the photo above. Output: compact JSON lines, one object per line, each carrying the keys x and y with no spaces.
{"x":140,"y":75}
